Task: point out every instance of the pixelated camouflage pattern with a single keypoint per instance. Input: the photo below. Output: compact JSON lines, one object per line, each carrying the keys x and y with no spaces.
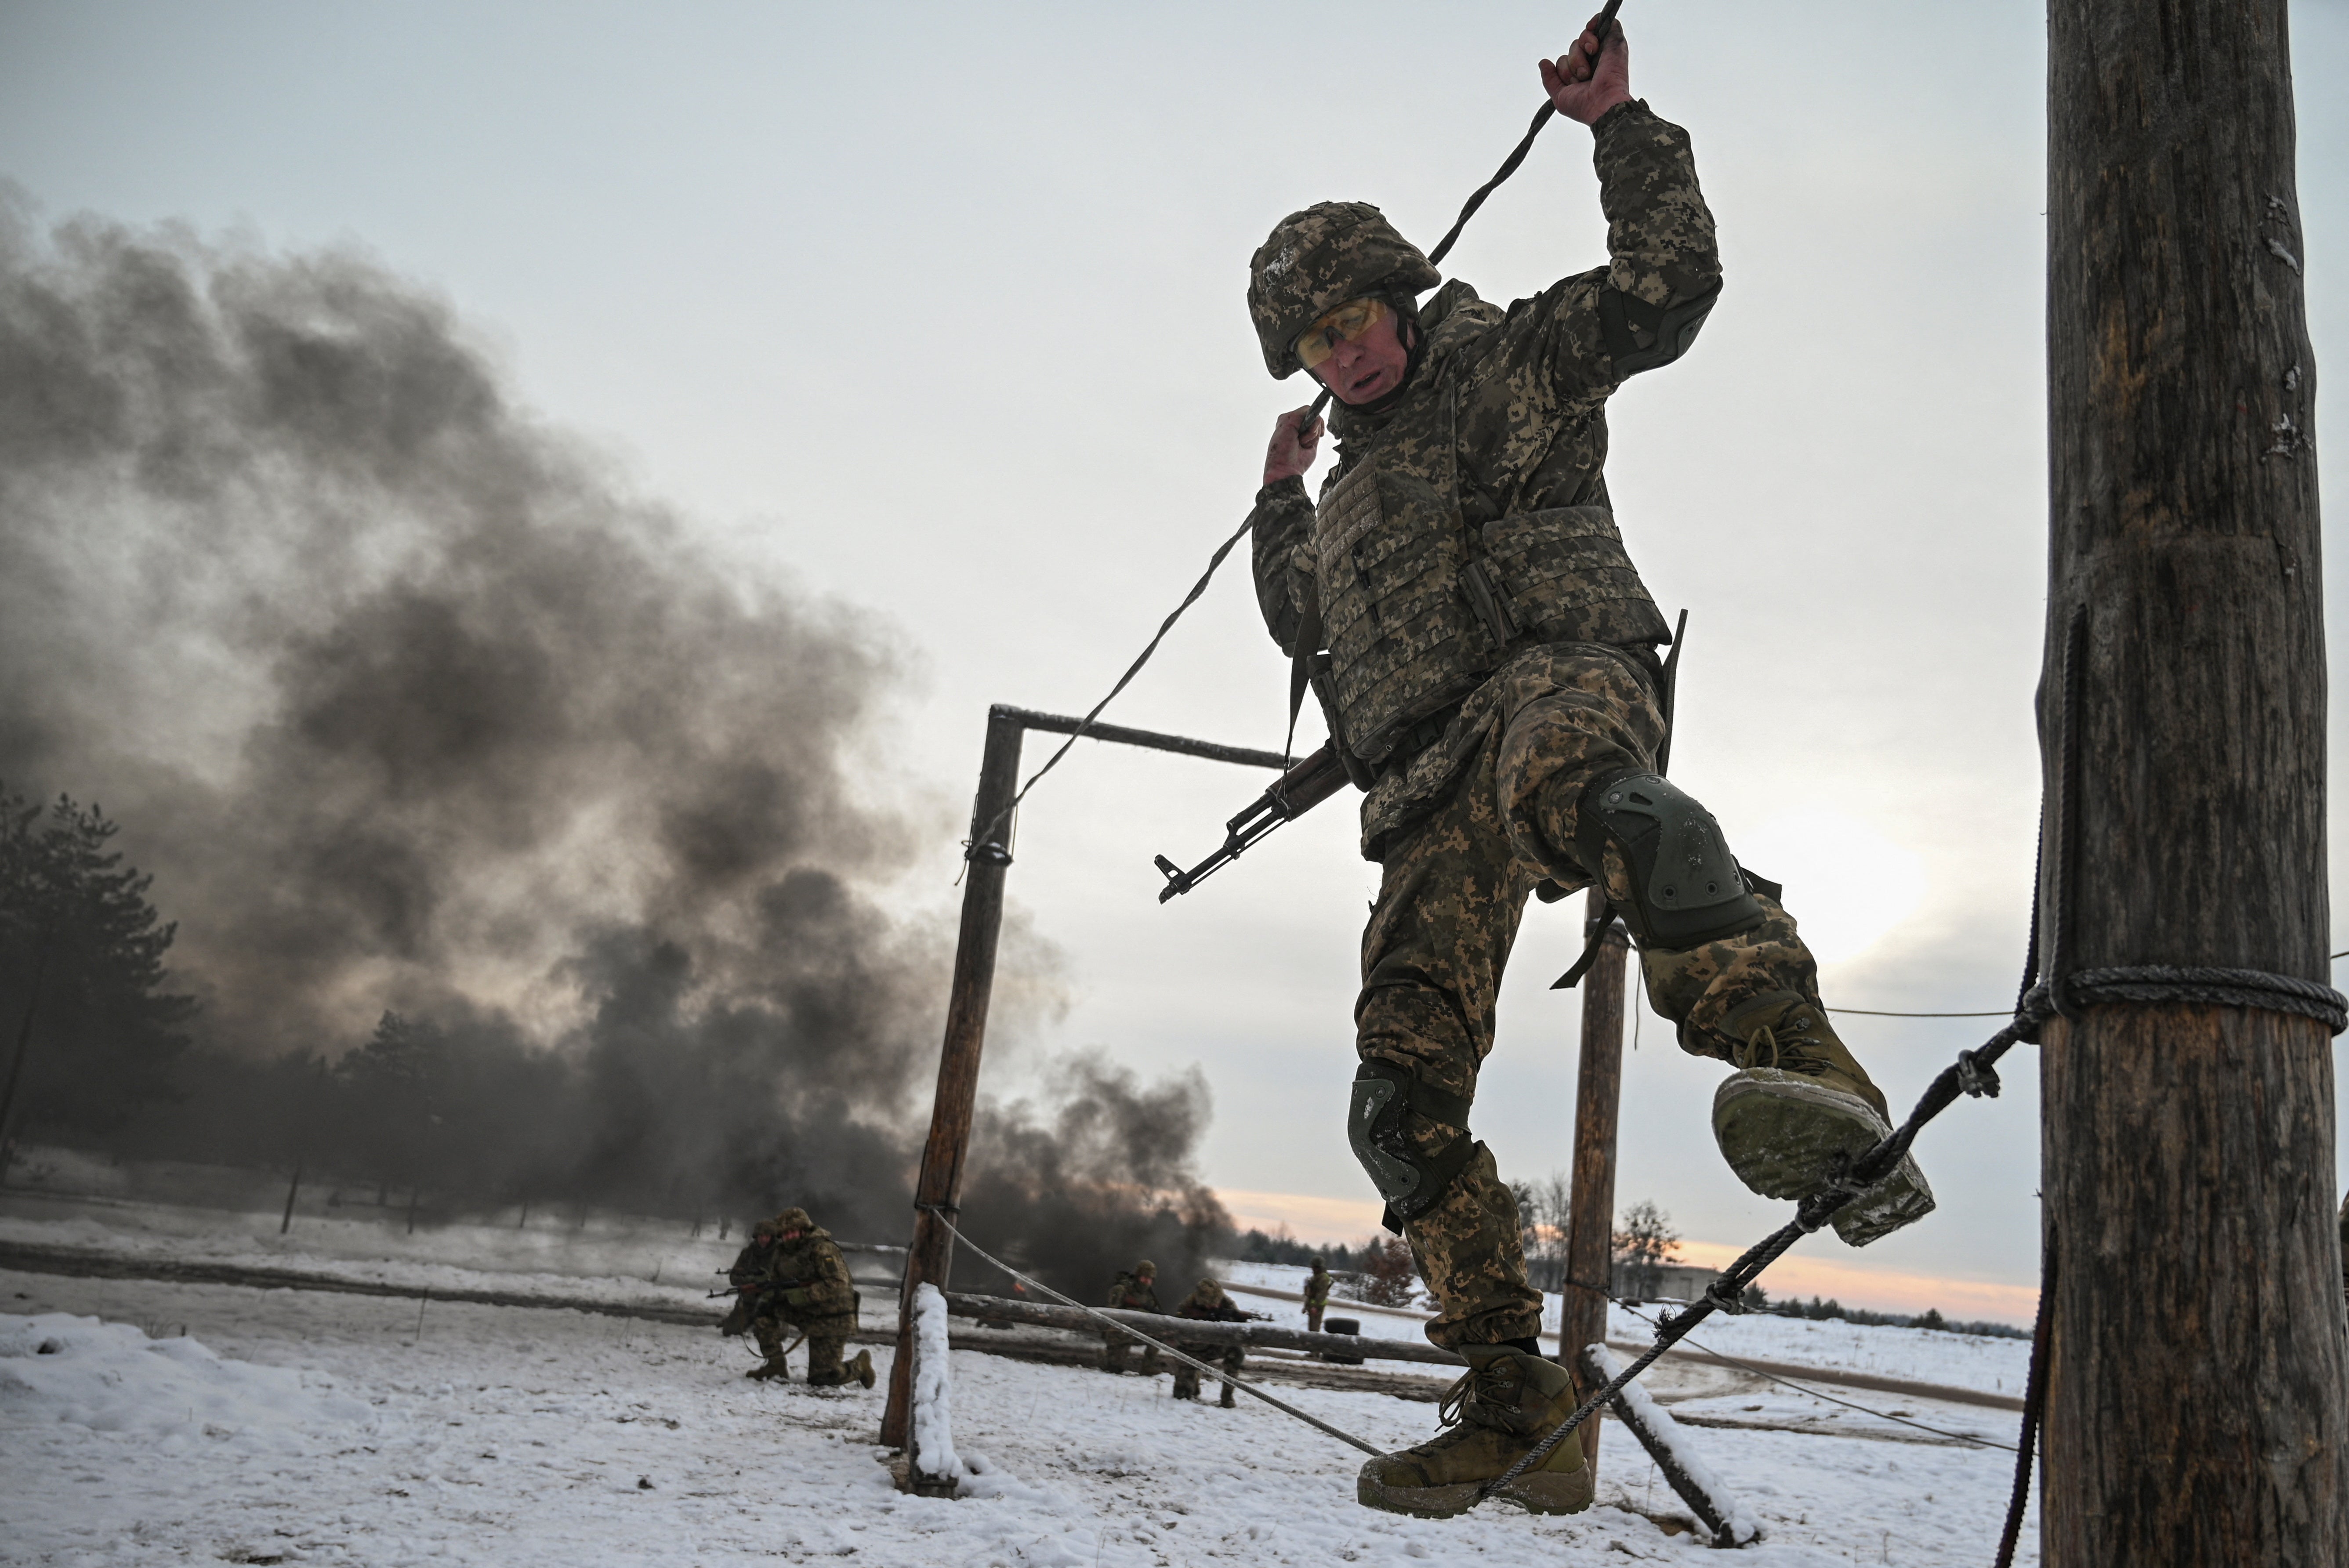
{"x":1317,"y":260}
{"x":1507,"y":408}
{"x":1494,"y":825}
{"x":1130,"y":1291}
{"x":827,"y":1371}
{"x":809,"y":1282}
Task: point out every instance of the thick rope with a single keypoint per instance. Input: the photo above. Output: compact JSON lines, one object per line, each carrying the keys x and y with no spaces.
{"x":1973,"y":1073}
{"x":2035,"y":1404}
{"x":1034,"y":1283}
{"x":986,"y":834}
{"x":1442,"y":247}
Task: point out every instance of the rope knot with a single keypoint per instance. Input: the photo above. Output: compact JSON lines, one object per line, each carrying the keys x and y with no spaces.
{"x":1977,"y":1077}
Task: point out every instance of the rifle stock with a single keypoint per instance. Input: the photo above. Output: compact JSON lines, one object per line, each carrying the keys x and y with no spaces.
{"x":1305,"y":785}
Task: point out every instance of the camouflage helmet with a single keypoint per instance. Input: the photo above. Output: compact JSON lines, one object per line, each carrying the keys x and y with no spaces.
{"x":763,"y":1228}
{"x":1319,"y":259}
{"x":1145,"y":1267}
{"x":793,"y":1219}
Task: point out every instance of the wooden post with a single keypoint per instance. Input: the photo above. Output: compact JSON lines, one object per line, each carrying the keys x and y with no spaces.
{"x":931,"y":1254}
{"x":2199,"y":1361}
{"x":1590,"y":1236}
{"x":302,"y":1150}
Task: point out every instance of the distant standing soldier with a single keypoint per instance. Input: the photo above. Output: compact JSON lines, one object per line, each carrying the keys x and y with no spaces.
{"x":1208,"y":1304}
{"x":1316,"y":1295}
{"x":1135,"y":1290}
{"x":809,"y":1288}
{"x":748,"y":1278}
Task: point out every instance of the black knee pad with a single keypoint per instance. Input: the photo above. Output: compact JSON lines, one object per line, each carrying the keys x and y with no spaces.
{"x":1408,"y":1181}
{"x":1686,"y":887}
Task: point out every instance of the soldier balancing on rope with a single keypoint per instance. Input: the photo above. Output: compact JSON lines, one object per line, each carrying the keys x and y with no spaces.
{"x":1485,"y":653}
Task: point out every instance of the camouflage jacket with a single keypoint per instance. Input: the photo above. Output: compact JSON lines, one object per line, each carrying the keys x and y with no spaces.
{"x":751,"y":1266}
{"x":1131,"y":1294}
{"x":1316,"y":1289}
{"x":1208,"y":1302}
{"x":809,"y":1278}
{"x":1520,"y":395}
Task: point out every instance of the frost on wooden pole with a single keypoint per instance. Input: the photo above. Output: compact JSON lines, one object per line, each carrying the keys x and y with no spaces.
{"x":932,"y":1467}
{"x":2197,"y":1362}
{"x":1728,"y":1520}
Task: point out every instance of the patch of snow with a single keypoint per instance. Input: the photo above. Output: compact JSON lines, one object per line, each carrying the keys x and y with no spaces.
{"x":175,"y":1393}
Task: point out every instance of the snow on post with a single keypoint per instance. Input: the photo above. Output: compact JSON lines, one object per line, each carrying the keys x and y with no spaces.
{"x":932,"y":1465}
{"x":1668,"y":1443}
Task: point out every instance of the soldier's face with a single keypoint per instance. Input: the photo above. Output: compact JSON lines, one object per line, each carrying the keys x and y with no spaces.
{"x":1368,"y":368}
{"x":790,"y":1235}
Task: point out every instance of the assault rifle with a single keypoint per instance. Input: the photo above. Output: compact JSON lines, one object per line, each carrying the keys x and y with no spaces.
{"x":1294,"y":793}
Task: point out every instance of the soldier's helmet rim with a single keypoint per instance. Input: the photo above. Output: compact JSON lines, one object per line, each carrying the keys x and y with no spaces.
{"x":1145,"y":1267}
{"x":793,"y":1219}
{"x":1318,"y":258}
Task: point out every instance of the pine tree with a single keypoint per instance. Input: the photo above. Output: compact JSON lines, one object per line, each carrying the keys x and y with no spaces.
{"x":81,"y":975}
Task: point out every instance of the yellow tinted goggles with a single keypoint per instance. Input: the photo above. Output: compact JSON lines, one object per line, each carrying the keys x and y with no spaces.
{"x":1348,"y":323}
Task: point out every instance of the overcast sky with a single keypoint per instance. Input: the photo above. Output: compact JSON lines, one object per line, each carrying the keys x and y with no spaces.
{"x":937,"y":310}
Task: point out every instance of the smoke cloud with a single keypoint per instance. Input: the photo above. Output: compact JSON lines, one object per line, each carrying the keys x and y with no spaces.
{"x":412,"y":707}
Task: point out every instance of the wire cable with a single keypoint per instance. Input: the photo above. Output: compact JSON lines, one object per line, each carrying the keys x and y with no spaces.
{"x":1816,"y":1393}
{"x":1034,"y":1283}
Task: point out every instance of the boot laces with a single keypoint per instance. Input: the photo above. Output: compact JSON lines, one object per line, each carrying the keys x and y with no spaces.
{"x":1495,"y":1384}
{"x":1797,"y":1051}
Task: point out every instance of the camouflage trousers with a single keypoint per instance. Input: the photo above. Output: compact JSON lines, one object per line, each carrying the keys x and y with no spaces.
{"x":1187,"y":1378}
{"x":1453,"y":888}
{"x":826,"y":1337}
{"x":1115,"y":1346}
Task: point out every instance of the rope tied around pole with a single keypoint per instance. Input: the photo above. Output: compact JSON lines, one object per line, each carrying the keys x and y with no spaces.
{"x":1971,"y":1074}
{"x":1200,"y":1367}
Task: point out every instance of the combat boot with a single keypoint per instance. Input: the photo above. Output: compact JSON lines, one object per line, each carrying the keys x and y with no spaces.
{"x":1798,"y":1107}
{"x":772,"y":1367}
{"x":862,"y":1367}
{"x":1507,"y":1402}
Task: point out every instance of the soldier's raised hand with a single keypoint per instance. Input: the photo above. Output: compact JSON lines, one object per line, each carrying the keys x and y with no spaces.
{"x":1581,"y":91}
{"x":1291,"y":451}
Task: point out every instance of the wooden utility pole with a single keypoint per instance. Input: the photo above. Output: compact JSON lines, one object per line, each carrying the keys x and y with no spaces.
{"x":2199,"y":1363}
{"x":1597,"y":1095}
{"x":930,"y":1256}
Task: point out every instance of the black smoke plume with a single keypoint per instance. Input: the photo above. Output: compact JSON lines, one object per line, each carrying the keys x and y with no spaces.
{"x":466,"y":770}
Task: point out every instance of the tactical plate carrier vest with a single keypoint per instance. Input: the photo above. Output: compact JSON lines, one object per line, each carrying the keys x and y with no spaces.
{"x":1418,"y":607}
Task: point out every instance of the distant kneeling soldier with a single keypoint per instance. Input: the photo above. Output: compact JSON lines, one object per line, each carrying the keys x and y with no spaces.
{"x":753,"y":1310}
{"x":1135,"y":1290}
{"x":809,"y":1285}
{"x":1208,"y":1304}
{"x":1316,"y":1295}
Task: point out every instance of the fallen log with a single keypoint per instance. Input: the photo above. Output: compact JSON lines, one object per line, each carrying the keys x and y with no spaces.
{"x":1194,"y":1331}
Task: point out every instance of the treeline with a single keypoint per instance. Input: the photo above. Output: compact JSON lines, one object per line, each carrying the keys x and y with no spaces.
{"x":1832,"y":1309}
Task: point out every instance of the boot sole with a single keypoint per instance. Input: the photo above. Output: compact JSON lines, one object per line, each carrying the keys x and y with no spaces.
{"x":1781,"y":1133}
{"x":1543,"y":1492}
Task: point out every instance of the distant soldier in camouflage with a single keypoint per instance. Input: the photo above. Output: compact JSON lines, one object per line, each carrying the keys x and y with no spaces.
{"x":1134,"y":1290}
{"x":1316,"y":1295}
{"x":747,"y":1276}
{"x":1462,"y":604}
{"x":1208,"y":1304}
{"x":806,"y":1287}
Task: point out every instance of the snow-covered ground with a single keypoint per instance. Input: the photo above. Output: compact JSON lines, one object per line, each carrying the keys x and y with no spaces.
{"x":1985,"y":1363}
{"x":301,"y":1427}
